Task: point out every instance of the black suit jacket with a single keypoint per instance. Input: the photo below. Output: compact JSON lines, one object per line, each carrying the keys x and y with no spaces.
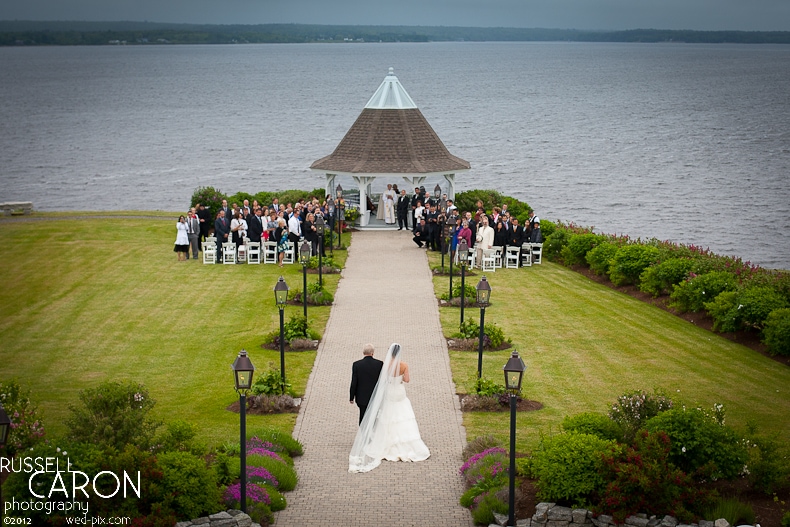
{"x":221,"y":228}
{"x":255,"y":227}
{"x":364,"y":376}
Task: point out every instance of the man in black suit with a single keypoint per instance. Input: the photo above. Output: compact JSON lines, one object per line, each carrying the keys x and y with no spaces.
{"x":221,"y":232}
{"x":403,"y":210}
{"x":256,"y":224}
{"x":364,"y":376}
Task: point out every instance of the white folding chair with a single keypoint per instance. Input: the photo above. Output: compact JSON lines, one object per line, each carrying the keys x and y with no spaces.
{"x":489,"y":260}
{"x":472,"y":257}
{"x":209,"y":253}
{"x":269,"y":252}
{"x":526,"y":255}
{"x":498,"y":257}
{"x":241,"y":254}
{"x":229,"y":253}
{"x":290,"y":256}
{"x":254,"y":253}
{"x":537,"y":253}
{"x":511,"y":257}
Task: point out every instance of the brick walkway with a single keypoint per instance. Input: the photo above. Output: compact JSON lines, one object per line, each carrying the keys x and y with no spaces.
{"x":385,"y":296}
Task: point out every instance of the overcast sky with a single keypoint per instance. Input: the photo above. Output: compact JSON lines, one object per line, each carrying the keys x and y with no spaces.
{"x":772,"y":15}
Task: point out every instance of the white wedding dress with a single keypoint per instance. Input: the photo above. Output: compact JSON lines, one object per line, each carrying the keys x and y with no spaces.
{"x":389,"y":429}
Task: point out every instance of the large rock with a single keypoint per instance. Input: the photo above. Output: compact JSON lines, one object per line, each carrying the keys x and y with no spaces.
{"x":560,"y":514}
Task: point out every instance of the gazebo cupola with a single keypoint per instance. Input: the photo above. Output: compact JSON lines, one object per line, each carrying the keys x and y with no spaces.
{"x":390,"y":139}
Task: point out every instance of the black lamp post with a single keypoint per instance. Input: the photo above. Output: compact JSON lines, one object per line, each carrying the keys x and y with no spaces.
{"x":463,"y":258}
{"x":304,"y":259}
{"x":450,"y":223}
{"x":280,"y":297}
{"x":330,"y":210}
{"x":514,"y":373}
{"x":483,"y":296}
{"x":320,"y":226}
{"x":242,"y":374}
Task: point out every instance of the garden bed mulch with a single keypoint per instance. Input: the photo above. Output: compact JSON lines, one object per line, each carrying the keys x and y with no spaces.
{"x":472,"y":345}
{"x":522,"y":405}
{"x":750,"y":339}
{"x":300,"y":345}
{"x":268,"y":404}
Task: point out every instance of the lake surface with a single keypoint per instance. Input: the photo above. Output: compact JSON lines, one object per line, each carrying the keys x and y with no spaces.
{"x":683,"y":142}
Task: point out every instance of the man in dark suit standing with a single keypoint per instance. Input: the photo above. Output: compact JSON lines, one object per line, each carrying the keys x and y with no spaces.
{"x":403,"y":210}
{"x":221,"y":232}
{"x":256,"y":224}
{"x":364,"y":376}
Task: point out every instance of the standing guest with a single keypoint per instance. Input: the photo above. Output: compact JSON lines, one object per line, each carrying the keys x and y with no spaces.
{"x":472,"y":227}
{"x":204,"y":215}
{"x":500,"y":234}
{"x":485,"y":239}
{"x":534,"y":236}
{"x":403,"y":210}
{"x":456,"y":229}
{"x":221,"y":232}
{"x":432,"y":219}
{"x":256,"y":225}
{"x":238,"y":228}
{"x":311,"y":233}
{"x":245,"y":209}
{"x":226,"y":209}
{"x":272,"y":226}
{"x":182,"y":240}
{"x":415,"y":200}
{"x":465,"y":233}
{"x":193,"y":232}
{"x":419,"y":214}
{"x":294,"y":227}
{"x":516,"y":234}
{"x":281,"y":236}
{"x":451,"y":208}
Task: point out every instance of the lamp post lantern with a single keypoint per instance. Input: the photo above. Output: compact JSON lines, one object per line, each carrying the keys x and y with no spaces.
{"x":483,"y":296}
{"x":514,"y":373}
{"x":330,"y":210}
{"x":437,"y":192}
{"x":304,"y":259}
{"x":242,"y":374}
{"x":463,"y":258}
{"x":320,"y":226}
{"x":280,"y":297}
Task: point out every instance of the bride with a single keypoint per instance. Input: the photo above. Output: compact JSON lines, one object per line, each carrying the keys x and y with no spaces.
{"x":389,"y":429}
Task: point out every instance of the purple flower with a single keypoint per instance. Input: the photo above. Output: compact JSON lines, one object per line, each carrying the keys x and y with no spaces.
{"x":261,"y":475}
{"x":265,"y":452}
{"x":477,"y":457}
{"x":254,"y":493}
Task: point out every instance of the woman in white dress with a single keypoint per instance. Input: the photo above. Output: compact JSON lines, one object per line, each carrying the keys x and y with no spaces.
{"x":389,"y":429}
{"x":182,"y":240}
{"x":389,"y":205}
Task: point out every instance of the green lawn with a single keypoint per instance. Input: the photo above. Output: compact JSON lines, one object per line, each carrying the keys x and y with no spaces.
{"x":94,"y":299}
{"x":585,"y":344}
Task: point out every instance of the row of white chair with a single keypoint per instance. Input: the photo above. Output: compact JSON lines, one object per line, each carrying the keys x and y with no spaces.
{"x":530,"y":253}
{"x":250,"y":252}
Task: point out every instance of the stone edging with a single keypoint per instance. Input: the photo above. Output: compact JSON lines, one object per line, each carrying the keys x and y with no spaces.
{"x":231,"y":518}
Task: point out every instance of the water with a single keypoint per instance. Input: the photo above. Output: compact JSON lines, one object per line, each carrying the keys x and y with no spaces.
{"x":683,"y":142}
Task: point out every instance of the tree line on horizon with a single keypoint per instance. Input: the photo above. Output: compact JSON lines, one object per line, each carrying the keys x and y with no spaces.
{"x":71,"y":33}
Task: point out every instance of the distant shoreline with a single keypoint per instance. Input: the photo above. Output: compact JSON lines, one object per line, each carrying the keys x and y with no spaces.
{"x":83,"y":33}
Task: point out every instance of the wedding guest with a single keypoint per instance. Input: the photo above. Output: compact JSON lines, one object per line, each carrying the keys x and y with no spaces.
{"x":485,"y":239}
{"x":256,"y":225}
{"x":182,"y":240}
{"x":193,"y":233}
{"x":281,"y":236}
{"x":204,"y":215}
{"x":403,"y":210}
{"x":238,"y":228}
{"x":221,"y":232}
{"x":311,"y":233}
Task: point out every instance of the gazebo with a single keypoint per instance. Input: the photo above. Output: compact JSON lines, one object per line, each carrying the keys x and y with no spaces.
{"x":390,"y":139}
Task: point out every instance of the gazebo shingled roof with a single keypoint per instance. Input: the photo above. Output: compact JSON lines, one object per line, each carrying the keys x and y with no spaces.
{"x":390,"y":137}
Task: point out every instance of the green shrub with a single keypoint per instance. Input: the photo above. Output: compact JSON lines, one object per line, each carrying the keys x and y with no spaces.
{"x":209,"y":197}
{"x":471,"y":292}
{"x":554,"y":244}
{"x":776,"y":333}
{"x":595,"y":424}
{"x":278,"y":438}
{"x":768,"y":466}
{"x":113,"y":415}
{"x":691,"y":294}
{"x":732,"y":510}
{"x":271,"y":382}
{"x":568,"y":467}
{"x":278,"y":501}
{"x":633,"y":409}
{"x":600,"y":258}
{"x":181,"y":436}
{"x":285,"y":474}
{"x":486,"y":505}
{"x":786,"y":519}
{"x":326,"y":261}
{"x":575,"y":251}
{"x":630,"y":261}
{"x":189,"y":486}
{"x":317,"y":295}
{"x":746,"y":308}
{"x":493,"y":336}
{"x":226,"y":468}
{"x":701,"y":442}
{"x":26,"y":429}
{"x":487,"y":387}
{"x":641,"y":478}
{"x":659,"y":279}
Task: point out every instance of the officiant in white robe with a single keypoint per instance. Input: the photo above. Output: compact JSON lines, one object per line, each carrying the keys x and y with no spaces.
{"x":386,"y":210}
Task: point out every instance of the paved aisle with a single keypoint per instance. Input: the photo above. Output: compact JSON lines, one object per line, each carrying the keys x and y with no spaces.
{"x":385,"y":296}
